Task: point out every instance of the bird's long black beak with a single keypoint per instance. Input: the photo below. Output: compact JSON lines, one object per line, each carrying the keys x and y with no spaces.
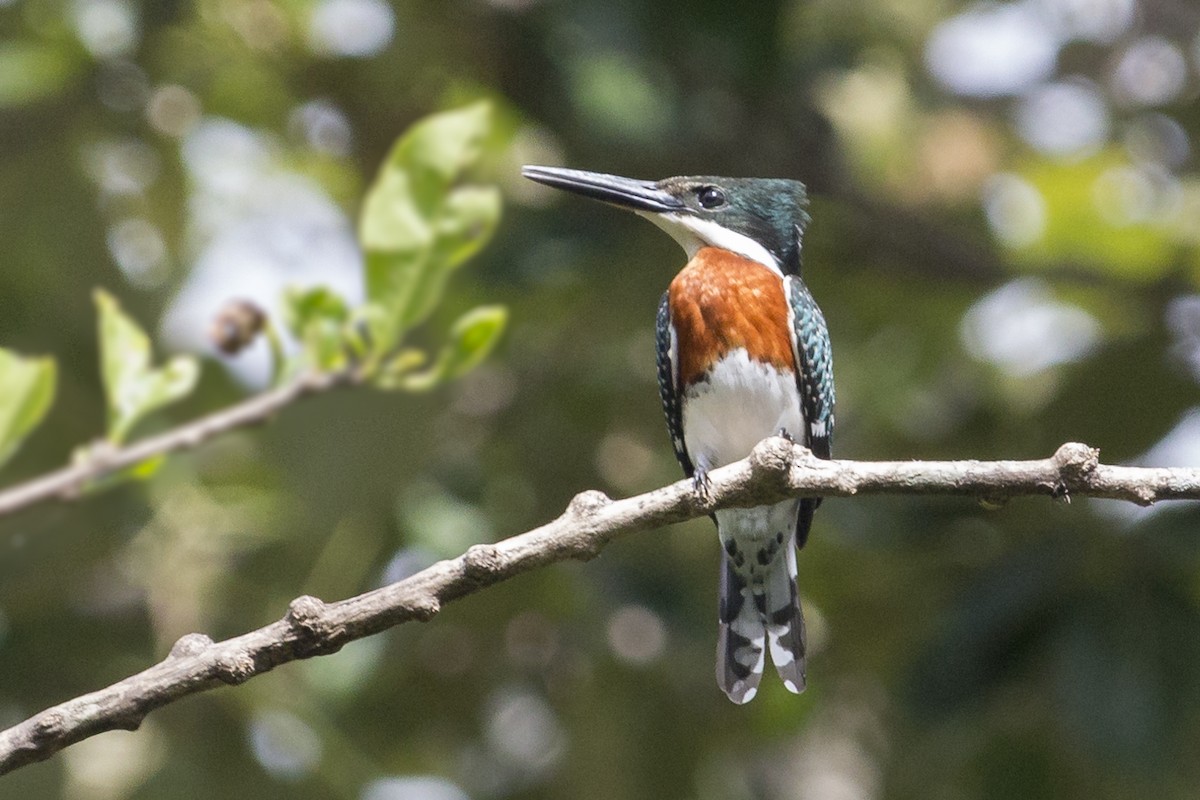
{"x":624,"y":192}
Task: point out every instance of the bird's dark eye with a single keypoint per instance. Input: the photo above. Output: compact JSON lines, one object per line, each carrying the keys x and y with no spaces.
{"x":710,"y":197}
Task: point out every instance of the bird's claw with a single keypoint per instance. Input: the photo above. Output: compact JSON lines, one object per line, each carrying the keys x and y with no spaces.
{"x":701,"y":484}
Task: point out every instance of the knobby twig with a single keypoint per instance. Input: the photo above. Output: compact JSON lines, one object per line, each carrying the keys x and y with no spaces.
{"x":775,"y":470}
{"x":71,"y":481}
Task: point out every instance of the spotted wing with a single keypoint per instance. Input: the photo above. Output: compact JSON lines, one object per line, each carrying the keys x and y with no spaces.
{"x":814,"y":379}
{"x":668,"y":383}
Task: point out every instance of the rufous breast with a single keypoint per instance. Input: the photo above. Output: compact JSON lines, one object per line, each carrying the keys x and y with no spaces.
{"x":722,"y":301}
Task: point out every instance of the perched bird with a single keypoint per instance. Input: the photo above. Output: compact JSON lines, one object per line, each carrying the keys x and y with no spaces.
{"x":743,"y":353}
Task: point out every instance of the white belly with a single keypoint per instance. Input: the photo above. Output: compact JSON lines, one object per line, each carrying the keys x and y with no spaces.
{"x":740,"y":404}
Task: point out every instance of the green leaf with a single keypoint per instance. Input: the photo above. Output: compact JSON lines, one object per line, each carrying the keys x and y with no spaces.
{"x":467,"y":222}
{"x":414,"y":281}
{"x":26,"y":392}
{"x":302,"y":307}
{"x":416,"y":226}
{"x":391,"y":219}
{"x":132,"y":387}
{"x":141,"y":471}
{"x":319,"y":318}
{"x":437,"y":149}
{"x":472,"y":338}
{"x":412,"y":185}
{"x":398,"y":368}
{"x":395,"y":281}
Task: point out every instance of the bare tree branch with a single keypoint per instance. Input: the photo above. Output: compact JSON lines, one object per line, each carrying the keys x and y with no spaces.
{"x":775,"y":470}
{"x":70,"y":482}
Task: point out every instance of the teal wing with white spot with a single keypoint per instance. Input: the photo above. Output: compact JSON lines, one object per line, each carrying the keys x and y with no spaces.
{"x":668,"y":383}
{"x":814,"y":379}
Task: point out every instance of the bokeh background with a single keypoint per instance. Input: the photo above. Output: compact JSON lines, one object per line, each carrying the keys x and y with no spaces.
{"x":1006,"y":243}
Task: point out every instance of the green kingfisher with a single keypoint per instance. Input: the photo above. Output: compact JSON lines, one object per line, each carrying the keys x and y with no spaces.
{"x":743,"y":353}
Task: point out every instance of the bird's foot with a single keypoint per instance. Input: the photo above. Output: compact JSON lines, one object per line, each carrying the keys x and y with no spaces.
{"x":785,"y":433}
{"x":701,"y":485}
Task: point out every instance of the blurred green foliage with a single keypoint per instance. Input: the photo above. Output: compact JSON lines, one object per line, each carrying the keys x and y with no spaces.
{"x":28,"y":391}
{"x":134,"y":389}
{"x":416,"y":227}
{"x":1005,"y":246}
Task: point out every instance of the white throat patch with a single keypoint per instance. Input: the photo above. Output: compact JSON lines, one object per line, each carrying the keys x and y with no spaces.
{"x":693,"y":233}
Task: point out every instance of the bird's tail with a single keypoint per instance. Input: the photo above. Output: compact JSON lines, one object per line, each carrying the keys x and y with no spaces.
{"x":741,"y":638}
{"x":753,"y":615}
{"x":785,"y":621}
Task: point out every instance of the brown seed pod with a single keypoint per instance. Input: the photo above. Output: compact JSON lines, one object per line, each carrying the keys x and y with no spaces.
{"x":236,"y":326}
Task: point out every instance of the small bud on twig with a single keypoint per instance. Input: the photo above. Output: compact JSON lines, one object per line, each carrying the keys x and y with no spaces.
{"x":236,"y":326}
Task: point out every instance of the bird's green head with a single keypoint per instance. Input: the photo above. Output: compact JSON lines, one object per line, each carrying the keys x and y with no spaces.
{"x":760,"y":218}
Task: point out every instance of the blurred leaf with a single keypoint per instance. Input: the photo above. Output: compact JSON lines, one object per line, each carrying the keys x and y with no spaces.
{"x":141,"y":471}
{"x":415,"y":228}
{"x":29,"y":72}
{"x":396,"y":279}
{"x":437,"y":149}
{"x":466,"y":223}
{"x":472,"y":338}
{"x":398,"y":367}
{"x":134,"y":389}
{"x":26,"y":392}
{"x":305,"y":306}
{"x":464,"y":226}
{"x":391,"y":220}
{"x":318,"y":317}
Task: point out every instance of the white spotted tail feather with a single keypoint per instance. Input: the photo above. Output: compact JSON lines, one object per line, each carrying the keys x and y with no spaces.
{"x":760,"y":608}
